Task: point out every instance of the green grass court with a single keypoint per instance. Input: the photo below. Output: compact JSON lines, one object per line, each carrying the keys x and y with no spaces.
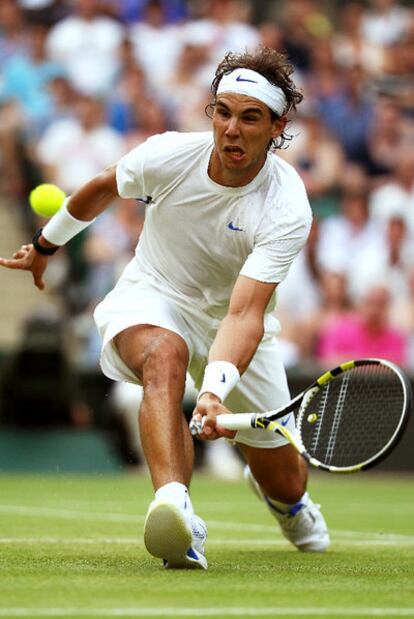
{"x":72,"y":547}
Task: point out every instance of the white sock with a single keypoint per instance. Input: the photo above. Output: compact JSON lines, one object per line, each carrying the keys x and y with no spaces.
{"x":285,"y":508}
{"x":177,"y":493}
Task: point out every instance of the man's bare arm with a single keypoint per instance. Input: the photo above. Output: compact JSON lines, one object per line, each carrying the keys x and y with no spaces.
{"x":85,"y":204}
{"x":241,"y":330}
{"x":237,"y":339}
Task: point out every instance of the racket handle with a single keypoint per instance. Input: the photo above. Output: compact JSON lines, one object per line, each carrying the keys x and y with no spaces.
{"x":236,"y":421}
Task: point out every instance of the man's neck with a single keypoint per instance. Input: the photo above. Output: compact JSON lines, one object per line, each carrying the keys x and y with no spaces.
{"x":232,"y":178}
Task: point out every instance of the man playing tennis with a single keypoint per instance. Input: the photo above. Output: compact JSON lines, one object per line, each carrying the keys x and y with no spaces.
{"x":225,"y":219}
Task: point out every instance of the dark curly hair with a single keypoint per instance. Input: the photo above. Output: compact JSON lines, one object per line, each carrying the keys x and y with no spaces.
{"x":274,"y":66}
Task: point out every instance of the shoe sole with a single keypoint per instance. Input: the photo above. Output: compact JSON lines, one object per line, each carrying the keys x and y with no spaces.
{"x":168,"y":536}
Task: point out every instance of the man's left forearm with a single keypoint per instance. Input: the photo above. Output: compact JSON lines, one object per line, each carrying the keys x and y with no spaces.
{"x":237,"y":340}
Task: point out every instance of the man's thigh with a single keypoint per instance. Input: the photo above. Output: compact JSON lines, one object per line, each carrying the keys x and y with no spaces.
{"x":134,"y":310}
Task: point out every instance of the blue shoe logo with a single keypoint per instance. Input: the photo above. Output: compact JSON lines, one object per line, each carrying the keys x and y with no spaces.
{"x":231,"y":226}
{"x":191,"y":554}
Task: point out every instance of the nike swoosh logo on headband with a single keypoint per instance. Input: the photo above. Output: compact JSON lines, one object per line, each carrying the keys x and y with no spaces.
{"x":239,"y":78}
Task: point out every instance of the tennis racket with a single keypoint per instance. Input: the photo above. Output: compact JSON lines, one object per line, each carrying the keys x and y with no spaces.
{"x":348,"y":420}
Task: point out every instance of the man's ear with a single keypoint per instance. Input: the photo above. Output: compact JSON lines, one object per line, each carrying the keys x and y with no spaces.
{"x":279,"y":125}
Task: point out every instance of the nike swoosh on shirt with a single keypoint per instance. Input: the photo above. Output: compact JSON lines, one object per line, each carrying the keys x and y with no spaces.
{"x":285,"y":421}
{"x":239,"y":78}
{"x":231,"y":226}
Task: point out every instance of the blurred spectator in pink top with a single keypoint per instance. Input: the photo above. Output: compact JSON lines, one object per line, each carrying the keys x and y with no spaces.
{"x":366,"y":333}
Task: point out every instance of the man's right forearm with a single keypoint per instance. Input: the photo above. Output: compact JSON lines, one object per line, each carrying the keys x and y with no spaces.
{"x":80,"y":209}
{"x":94,"y":197}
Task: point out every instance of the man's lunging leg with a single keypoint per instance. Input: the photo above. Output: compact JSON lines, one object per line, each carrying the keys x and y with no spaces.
{"x":159,"y":358}
{"x":278,"y":476}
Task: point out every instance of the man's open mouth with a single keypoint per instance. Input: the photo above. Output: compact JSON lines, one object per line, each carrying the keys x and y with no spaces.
{"x":235,"y":152}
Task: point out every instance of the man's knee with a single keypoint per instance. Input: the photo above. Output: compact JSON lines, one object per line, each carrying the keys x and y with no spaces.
{"x":165,"y":363}
{"x":153,"y":354}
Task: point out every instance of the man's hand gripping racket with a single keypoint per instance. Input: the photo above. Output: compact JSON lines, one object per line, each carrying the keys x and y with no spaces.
{"x":348,"y":420}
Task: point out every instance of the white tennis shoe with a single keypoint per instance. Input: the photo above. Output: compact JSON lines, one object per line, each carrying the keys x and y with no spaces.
{"x":303,"y":525}
{"x":175,"y":535}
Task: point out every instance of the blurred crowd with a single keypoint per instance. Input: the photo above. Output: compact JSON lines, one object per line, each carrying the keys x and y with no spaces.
{"x":84,"y":81}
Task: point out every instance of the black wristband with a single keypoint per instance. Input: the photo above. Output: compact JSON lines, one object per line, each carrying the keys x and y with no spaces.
{"x":45,"y":251}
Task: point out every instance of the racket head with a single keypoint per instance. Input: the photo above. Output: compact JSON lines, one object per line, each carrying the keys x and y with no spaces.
{"x":354,"y":415}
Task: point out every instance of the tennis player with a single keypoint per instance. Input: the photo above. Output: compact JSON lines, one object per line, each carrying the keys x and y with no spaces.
{"x":225,"y":219}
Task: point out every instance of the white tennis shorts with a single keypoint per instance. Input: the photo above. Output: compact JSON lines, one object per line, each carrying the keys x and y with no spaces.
{"x":263,"y":386}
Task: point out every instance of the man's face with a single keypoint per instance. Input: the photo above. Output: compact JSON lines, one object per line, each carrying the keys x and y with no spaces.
{"x":243,"y":128}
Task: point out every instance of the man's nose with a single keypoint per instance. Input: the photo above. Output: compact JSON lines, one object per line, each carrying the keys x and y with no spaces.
{"x":232,"y":126}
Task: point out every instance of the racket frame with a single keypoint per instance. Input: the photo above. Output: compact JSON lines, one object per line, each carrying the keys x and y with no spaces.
{"x":269,"y":421}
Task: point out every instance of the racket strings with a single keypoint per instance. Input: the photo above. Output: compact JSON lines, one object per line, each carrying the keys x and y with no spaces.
{"x":337,"y":418}
{"x":321,"y":411}
{"x":357,"y":414}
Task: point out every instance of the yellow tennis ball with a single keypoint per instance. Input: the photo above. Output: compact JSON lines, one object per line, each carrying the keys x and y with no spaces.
{"x":312,"y":418}
{"x":46,"y":199}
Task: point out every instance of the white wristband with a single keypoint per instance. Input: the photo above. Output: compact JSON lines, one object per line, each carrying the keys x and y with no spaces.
{"x":63,"y":226}
{"x":219,"y":378}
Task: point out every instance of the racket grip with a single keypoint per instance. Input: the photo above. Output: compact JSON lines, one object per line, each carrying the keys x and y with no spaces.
{"x":236,"y":421}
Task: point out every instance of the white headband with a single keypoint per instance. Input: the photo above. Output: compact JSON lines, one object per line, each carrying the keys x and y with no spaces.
{"x":252,"y":84}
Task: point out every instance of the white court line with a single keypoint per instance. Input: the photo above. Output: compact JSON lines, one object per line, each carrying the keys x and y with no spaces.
{"x":208,"y":612}
{"x":21,"y":510}
{"x":126,"y":541}
{"x":28,"y":511}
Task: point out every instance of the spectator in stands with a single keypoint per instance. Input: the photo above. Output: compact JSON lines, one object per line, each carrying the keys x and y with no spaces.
{"x":131,"y":11}
{"x":397,"y":80}
{"x":149,"y":119}
{"x":86,"y":43}
{"x":387,"y":263}
{"x":402,"y":314}
{"x":319,"y":160}
{"x":367,"y":333}
{"x":348,"y":112}
{"x":385,"y":138}
{"x":131,"y":85}
{"x":73,"y":150}
{"x":271,"y":35}
{"x":397,"y":192}
{"x":156,"y":43}
{"x":110,"y":245}
{"x":26,"y":78}
{"x":187,"y":92}
{"x":46,"y":12}
{"x":349,"y":234}
{"x":303,"y":24}
{"x":384,"y":22}
{"x":26,"y":105}
{"x":299,"y":296}
{"x":349,"y":44}
{"x":224,"y":25}
{"x":324,"y":78}
{"x":335,"y":306}
{"x":13,"y":35}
